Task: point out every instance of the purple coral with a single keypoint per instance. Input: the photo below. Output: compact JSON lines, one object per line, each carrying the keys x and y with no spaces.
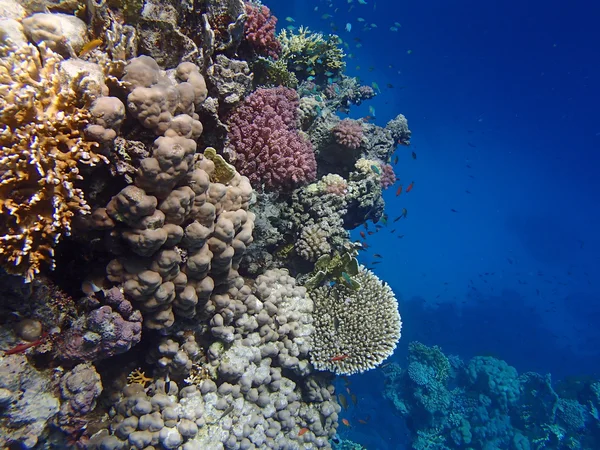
{"x":259,"y":31}
{"x":388,"y":177}
{"x":348,"y":133}
{"x":264,"y":143}
{"x":106,"y":331}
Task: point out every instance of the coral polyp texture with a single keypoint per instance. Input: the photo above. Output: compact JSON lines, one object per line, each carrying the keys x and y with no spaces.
{"x":45,"y":107}
{"x":177,"y":268}
{"x":355,"y":329}
{"x":264,"y":143}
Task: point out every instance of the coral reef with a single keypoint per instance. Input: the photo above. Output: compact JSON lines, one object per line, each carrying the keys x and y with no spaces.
{"x":176,"y":264}
{"x":485,"y":403}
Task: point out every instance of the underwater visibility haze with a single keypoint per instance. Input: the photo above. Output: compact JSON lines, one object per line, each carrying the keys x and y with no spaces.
{"x":346,"y":224}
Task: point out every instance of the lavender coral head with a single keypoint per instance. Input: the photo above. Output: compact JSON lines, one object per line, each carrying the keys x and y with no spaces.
{"x":264,"y":144}
{"x":348,"y":133}
{"x":259,"y":31}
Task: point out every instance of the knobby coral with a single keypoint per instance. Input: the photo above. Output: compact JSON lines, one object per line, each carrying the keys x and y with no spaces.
{"x":264,"y":144}
{"x":44,"y":110}
{"x":259,"y":30}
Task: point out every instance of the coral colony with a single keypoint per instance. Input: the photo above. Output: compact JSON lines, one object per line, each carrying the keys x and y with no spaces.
{"x":176,"y":195}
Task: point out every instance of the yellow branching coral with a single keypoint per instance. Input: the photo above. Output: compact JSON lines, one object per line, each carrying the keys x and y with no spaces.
{"x":138,"y":377}
{"x":42,"y":116}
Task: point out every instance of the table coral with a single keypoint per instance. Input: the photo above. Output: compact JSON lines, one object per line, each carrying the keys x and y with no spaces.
{"x":44,"y":112}
{"x":355,"y":330}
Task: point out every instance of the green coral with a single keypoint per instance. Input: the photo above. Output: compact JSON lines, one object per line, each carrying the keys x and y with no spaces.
{"x":311,"y":55}
{"x":340,"y":269}
{"x":224,"y":172}
{"x":432,"y":357}
{"x":274,"y":73}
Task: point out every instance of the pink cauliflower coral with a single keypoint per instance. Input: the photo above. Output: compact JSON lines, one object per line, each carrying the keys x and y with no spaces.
{"x":259,"y":31}
{"x":348,"y":133}
{"x":388,"y":177}
{"x":264,"y":144}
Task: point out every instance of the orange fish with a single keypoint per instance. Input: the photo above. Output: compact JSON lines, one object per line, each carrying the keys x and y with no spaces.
{"x":363,"y":235}
{"x":399,"y":191}
{"x":362,"y":421}
{"x":302,"y":431}
{"x":345,"y":422}
{"x":365,"y":245}
{"x":339,"y":358}
{"x":410,"y":186}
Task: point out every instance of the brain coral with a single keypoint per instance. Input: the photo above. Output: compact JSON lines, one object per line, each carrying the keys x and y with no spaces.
{"x":264,"y":144}
{"x":45,"y":107}
{"x":355,"y":330}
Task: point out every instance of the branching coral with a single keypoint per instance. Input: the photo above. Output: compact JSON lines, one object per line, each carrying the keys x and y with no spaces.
{"x":43,"y":113}
{"x":259,"y":30}
{"x":355,"y":330}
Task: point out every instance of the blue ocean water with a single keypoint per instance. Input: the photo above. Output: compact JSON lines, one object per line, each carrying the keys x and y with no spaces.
{"x":500,"y":248}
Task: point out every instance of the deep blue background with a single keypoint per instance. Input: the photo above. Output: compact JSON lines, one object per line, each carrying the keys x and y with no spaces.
{"x":510,"y":89}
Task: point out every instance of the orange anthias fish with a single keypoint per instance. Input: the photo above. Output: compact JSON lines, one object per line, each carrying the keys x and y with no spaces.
{"x":363,"y":235}
{"x":345,"y":422}
{"x":302,"y":431}
{"x":399,"y":191}
{"x":410,"y":186}
{"x":339,"y":358}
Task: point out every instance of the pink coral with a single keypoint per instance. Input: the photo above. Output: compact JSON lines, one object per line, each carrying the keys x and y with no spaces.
{"x":264,"y":143}
{"x":388,"y":177}
{"x":259,"y":31}
{"x":348,"y":133}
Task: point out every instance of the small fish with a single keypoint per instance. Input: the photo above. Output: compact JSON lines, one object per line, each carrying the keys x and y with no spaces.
{"x":291,"y":27}
{"x":339,"y":358}
{"x":453,"y":210}
{"x":326,"y":16}
{"x":227,"y":411}
{"x":362,"y":2}
{"x":359,"y":45}
{"x":467,"y":191}
{"x":92,"y":45}
{"x":347,"y":278}
{"x":353,"y":398}
{"x":345,"y":421}
{"x":316,"y":9}
{"x":348,"y":27}
{"x":375,"y":169}
{"x":414,"y":155}
{"x":384,"y":220}
{"x":393,"y":231}
{"x":398,"y":218}
{"x":395,"y":159}
{"x":371,"y":233}
{"x":372,"y":111}
{"x":371,"y":68}
{"x":376,"y":87}
{"x":404,"y":213}
{"x":409,"y":52}
{"x":365,"y":245}
{"x":362,"y":421}
{"x":401,"y":142}
{"x":302,"y":431}
{"x":377,"y":255}
{"x":290,"y":19}
{"x":373,"y":25}
{"x":360,"y":19}
{"x":390,"y":86}
{"x":410,"y":186}
{"x":375,"y":262}
{"x":342,"y":401}
{"x":399,"y":191}
{"x":363,"y":235}
{"x":397,"y":24}
{"x":393,"y":28}
{"x":400,"y":236}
